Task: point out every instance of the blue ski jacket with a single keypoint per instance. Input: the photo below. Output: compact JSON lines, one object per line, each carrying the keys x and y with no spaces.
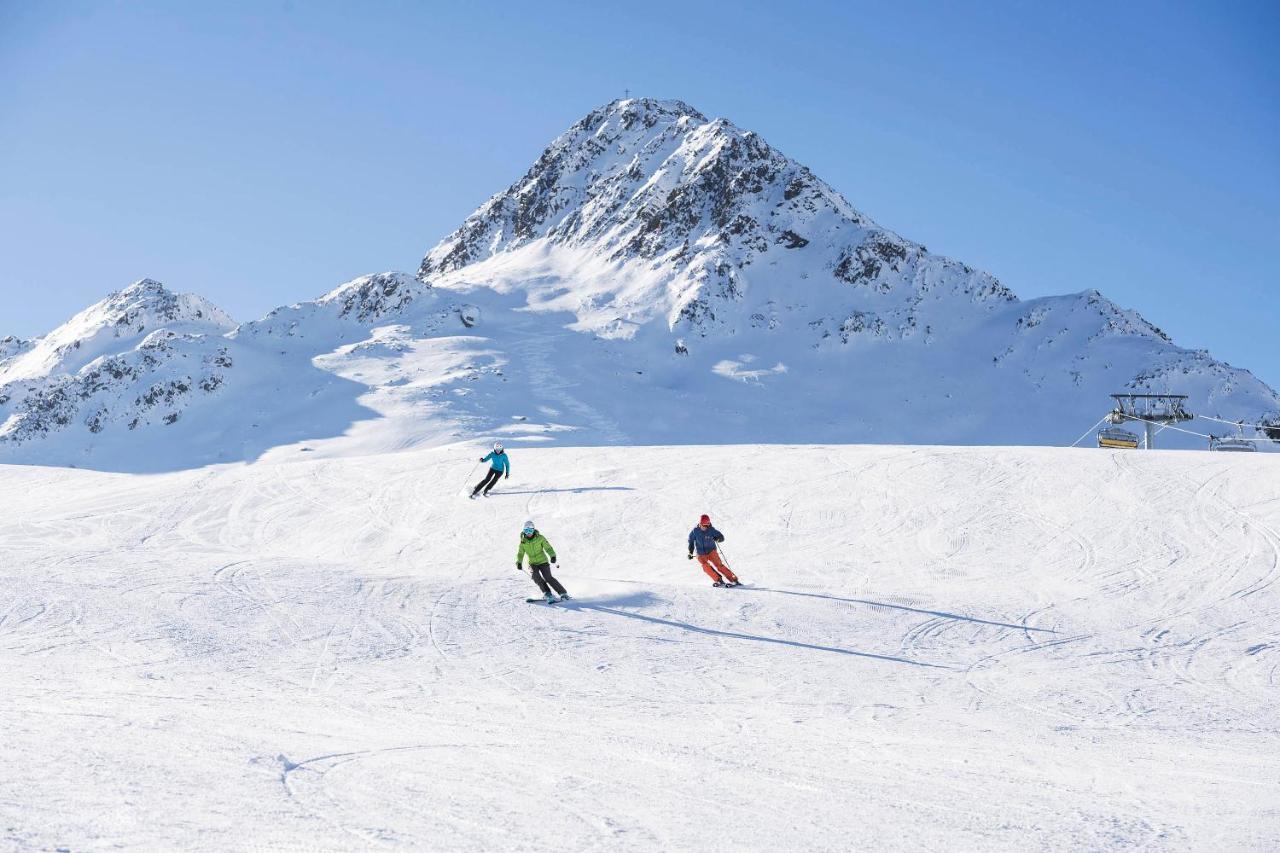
{"x":497,"y":460}
{"x":704,"y":541}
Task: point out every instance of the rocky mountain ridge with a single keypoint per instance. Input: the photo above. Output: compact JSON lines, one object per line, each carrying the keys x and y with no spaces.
{"x":705,"y":225}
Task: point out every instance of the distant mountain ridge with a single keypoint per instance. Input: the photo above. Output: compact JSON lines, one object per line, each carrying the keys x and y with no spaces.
{"x":655,"y":277}
{"x":103,"y":328}
{"x":145,"y":340}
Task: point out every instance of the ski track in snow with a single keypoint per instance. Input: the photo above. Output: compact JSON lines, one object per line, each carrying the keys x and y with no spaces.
{"x":938,"y":648}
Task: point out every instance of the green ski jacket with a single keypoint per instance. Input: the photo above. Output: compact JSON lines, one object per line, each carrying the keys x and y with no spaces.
{"x":537,"y":549}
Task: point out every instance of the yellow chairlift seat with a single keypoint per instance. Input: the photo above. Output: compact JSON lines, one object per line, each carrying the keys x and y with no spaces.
{"x":1117,"y":438}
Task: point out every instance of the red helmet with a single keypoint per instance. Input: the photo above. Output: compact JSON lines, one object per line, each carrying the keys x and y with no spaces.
{"x":706,"y":519}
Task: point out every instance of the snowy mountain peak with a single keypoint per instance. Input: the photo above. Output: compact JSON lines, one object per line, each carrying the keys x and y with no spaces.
{"x":645,"y":111}
{"x":646,"y":209}
{"x":116,"y":324}
{"x":142,"y":288}
{"x":147,"y":302}
{"x":647,"y":220}
{"x":1121,"y":321}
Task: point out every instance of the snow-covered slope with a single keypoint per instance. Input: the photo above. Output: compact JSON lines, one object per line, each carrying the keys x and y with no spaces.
{"x":944,"y":649}
{"x":655,"y":278}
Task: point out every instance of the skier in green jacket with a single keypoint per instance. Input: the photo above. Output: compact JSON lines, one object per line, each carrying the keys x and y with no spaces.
{"x":540,"y":553}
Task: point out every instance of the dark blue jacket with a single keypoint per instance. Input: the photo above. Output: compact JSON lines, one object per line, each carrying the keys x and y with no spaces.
{"x":704,"y":541}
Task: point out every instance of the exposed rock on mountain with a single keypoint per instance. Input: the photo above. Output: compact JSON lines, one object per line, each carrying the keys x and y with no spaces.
{"x":132,"y":359}
{"x":651,"y":208}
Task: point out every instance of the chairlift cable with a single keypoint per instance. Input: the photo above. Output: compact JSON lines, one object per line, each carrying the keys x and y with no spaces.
{"x":1089,"y":430}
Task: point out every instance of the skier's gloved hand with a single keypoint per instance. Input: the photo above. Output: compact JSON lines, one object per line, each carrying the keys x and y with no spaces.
{"x":507,"y":476}
{"x":690,"y":555}
{"x":553,"y":561}
{"x":517,"y":567}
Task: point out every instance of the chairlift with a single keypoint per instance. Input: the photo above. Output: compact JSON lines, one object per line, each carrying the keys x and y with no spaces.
{"x":1234,"y":445}
{"x":1270,"y":427}
{"x":1151,"y":410}
{"x":1161,"y":408}
{"x":1114,"y":437}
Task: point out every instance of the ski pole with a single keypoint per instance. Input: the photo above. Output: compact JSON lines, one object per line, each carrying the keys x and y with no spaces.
{"x":472,"y":474}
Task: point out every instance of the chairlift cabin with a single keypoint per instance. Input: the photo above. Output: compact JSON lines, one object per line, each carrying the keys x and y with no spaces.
{"x":1270,"y":427}
{"x":1233,"y":445}
{"x":1115,"y":437}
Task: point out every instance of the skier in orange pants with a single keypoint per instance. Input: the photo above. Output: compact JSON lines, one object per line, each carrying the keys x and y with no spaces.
{"x":703,"y":539}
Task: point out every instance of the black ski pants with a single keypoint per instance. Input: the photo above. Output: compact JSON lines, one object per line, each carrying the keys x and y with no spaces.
{"x":541,"y":573}
{"x":490,"y":480}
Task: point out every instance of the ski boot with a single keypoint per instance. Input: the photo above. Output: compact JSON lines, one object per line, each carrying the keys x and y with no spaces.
{"x":718,"y":583}
{"x":551,"y":599}
{"x":564,"y":596}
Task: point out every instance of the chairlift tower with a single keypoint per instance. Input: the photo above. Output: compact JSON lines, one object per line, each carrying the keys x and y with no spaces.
{"x":1151,"y":410}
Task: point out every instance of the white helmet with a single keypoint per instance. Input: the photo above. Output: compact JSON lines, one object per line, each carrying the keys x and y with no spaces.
{"x":528,"y":527}
{"x":497,"y":445}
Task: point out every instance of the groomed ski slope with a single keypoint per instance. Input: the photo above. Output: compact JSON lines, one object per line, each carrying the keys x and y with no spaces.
{"x":943,"y":648}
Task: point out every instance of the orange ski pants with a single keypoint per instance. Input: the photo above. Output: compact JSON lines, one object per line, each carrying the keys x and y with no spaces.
{"x":711,"y":562}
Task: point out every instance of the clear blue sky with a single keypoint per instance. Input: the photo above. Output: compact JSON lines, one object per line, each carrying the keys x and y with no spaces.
{"x":261,"y":153}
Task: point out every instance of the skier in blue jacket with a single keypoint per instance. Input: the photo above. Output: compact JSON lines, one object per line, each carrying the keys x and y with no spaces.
{"x":703,"y":539}
{"x":499,"y":466}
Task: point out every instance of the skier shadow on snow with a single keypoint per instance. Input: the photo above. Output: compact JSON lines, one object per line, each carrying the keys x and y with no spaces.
{"x":642,"y":599}
{"x":631,"y":599}
{"x":499,"y":494}
{"x":886,"y":605}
